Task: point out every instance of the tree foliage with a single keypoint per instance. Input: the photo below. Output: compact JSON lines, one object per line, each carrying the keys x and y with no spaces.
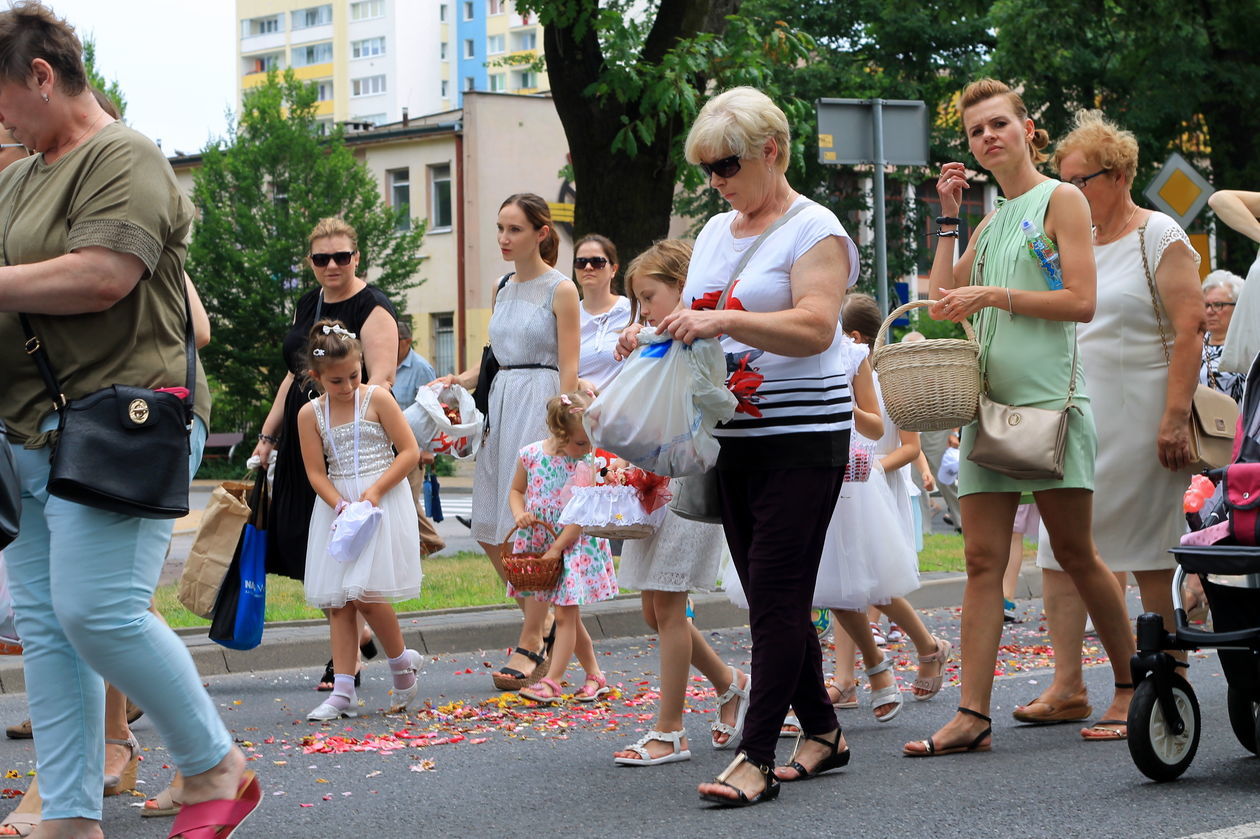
{"x":112,"y":89}
{"x":259,"y":192}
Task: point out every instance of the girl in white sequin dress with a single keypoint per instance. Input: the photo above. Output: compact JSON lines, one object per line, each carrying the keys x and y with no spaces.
{"x":348,"y":438}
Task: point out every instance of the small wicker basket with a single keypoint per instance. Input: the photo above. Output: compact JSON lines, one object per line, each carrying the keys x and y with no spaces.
{"x":928,"y":385}
{"x":528,"y":571}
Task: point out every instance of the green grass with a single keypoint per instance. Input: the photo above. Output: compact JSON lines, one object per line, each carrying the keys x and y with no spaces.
{"x":465,"y":579}
{"x":944,"y":552}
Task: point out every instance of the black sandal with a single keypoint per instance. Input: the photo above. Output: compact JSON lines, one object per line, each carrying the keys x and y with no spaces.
{"x":836,"y":760}
{"x":329,"y":676}
{"x":770,"y":792}
{"x":976,"y":745}
{"x":509,"y":678}
{"x":368,"y":650}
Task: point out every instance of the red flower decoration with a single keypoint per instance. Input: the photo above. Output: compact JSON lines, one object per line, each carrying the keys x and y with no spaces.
{"x":744,"y":383}
{"x":710,"y":301}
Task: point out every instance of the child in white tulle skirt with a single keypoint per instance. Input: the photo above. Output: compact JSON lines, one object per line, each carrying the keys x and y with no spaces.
{"x":349,"y":436}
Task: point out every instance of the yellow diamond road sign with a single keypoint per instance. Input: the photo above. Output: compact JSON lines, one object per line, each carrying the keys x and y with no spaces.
{"x":1179,"y":190}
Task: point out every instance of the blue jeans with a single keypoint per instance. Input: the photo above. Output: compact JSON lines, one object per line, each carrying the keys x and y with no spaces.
{"x":82,"y":580}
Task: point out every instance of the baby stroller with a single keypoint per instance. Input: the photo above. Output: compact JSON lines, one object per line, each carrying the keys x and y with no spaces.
{"x":1164,"y":716}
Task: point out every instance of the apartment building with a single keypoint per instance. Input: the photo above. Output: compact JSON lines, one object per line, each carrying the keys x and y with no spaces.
{"x":374,"y":60}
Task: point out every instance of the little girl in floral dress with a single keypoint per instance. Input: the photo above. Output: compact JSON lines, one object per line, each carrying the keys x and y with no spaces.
{"x":544,"y":469}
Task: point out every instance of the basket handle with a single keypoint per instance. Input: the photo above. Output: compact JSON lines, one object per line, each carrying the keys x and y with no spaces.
{"x":882,"y":337}
{"x":507,"y":543}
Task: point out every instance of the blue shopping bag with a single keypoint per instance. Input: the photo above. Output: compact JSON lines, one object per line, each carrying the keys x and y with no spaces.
{"x":433,"y":497}
{"x":239,"y":610}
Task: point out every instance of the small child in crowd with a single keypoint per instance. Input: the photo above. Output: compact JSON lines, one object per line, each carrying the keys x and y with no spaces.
{"x":543,"y":471}
{"x":349,"y":436}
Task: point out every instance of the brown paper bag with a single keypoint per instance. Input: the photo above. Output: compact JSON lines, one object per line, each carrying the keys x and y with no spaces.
{"x":213,"y":546}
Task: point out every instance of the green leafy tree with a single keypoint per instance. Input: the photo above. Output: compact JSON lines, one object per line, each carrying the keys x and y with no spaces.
{"x":626,"y":86}
{"x":258,"y":194}
{"x":111,"y":89}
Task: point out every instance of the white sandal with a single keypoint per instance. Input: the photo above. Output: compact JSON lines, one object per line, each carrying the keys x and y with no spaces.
{"x":890,"y":695}
{"x":733,"y":693}
{"x":645,"y":757}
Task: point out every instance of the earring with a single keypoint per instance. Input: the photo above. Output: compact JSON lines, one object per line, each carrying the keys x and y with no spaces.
{"x":45,"y":98}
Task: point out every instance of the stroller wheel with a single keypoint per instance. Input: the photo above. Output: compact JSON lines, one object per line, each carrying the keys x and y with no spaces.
{"x":1157,"y":751}
{"x":1243,"y":718}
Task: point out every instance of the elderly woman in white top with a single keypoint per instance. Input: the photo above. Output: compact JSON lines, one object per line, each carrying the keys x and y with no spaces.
{"x":1220,"y":297}
{"x":604,"y":312}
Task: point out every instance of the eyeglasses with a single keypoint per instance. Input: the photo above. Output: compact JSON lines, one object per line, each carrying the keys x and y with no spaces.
{"x":342,"y":258}
{"x":1218,"y":306}
{"x":1079,"y":183}
{"x":593,"y":261}
{"x":727,"y":167}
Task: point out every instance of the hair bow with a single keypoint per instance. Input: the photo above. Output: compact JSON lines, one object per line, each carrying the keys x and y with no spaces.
{"x":319,"y":352}
{"x":337,"y":330}
{"x":573,"y":409}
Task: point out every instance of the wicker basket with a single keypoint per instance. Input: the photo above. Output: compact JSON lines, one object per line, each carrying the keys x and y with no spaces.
{"x":928,"y":385}
{"x":529,"y":571}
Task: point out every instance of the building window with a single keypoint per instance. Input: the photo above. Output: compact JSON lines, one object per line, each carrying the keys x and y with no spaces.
{"x":371,"y":119}
{"x":443,"y":357}
{"x":313,"y":54}
{"x":442,"y":13}
{"x":443,"y":53}
{"x":470,"y":48}
{"x":495,"y":7}
{"x":495,"y":44}
{"x":367,"y":86}
{"x":367,"y":48}
{"x":262,"y":26}
{"x":263,"y":63}
{"x":524,"y":41}
{"x":528,"y":79}
{"x":399,"y":181}
{"x":498,"y":82}
{"x":440,"y":197}
{"x":367,"y":9}
{"x":470,"y":83}
{"x":469,"y":9}
{"x":446,"y":89}
{"x":324,"y":90}
{"x":313,"y":16}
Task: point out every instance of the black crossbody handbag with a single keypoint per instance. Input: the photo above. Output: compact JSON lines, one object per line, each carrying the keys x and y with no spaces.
{"x":123,"y":449}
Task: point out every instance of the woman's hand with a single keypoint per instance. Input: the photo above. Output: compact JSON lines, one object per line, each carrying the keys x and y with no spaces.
{"x":687,"y":325}
{"x":950,"y":186}
{"x":960,"y":303}
{"x":526,"y":520}
{"x":263,"y":451}
{"x":1173,"y":442}
{"x":445,"y":381}
{"x":628,"y":340}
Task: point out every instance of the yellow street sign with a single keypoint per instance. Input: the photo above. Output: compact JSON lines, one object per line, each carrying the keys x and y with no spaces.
{"x":1179,"y":190}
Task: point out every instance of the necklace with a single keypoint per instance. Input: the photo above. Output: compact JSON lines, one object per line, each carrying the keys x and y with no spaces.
{"x":1099,"y":239}
{"x":61,"y":151}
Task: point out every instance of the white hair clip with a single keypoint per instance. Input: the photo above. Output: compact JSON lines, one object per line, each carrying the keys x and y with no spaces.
{"x":318,"y":352}
{"x":337,"y":330}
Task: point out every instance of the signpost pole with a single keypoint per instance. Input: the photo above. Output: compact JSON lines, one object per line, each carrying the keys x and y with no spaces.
{"x":881,"y":232}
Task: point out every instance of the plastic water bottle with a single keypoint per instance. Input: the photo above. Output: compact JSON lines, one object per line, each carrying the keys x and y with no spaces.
{"x":1043,"y":250}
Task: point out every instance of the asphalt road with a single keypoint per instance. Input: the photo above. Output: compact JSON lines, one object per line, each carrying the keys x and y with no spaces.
{"x":513,"y":769}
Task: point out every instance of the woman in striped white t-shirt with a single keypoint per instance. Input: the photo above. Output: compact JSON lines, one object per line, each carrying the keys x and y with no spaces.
{"x":784,"y":453}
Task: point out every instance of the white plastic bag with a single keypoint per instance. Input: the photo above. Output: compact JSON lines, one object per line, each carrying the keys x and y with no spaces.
{"x":353,"y":529}
{"x":439,"y":433}
{"x":660,"y":411}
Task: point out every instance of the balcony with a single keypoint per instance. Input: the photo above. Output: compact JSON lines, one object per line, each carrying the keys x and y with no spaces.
{"x":262,"y":43}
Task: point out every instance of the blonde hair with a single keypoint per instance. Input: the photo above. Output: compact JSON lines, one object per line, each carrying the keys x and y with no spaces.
{"x":329,"y":341}
{"x":1102,"y":141}
{"x":564,"y":413}
{"x":739,"y":122}
{"x":666,"y":261}
{"x":332,"y":226}
{"x":983,"y":89}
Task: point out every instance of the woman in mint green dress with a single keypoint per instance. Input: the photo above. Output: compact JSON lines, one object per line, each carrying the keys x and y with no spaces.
{"x":1027,"y":332}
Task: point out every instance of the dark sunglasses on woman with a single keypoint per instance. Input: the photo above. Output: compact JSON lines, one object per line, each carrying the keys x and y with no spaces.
{"x":342,"y":258}
{"x":727,"y":167}
{"x":593,"y":261}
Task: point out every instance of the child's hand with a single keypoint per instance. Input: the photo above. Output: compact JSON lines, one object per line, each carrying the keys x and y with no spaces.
{"x":929,"y":483}
{"x":553,"y":553}
{"x":526,"y":519}
{"x":340,"y":505}
{"x":372,"y":496}
{"x":627,"y":342}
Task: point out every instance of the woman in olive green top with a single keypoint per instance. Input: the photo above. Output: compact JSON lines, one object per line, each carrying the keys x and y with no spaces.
{"x":92,"y":244}
{"x":1027,"y":329}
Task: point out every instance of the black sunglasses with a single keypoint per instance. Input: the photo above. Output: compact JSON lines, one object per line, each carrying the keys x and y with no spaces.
{"x":727,"y":167}
{"x":593,"y":261}
{"x":342,"y":258}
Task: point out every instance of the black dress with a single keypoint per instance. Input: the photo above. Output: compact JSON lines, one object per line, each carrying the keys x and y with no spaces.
{"x":292,"y":498}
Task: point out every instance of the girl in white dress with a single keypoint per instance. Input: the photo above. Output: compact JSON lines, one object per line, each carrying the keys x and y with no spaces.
{"x":681,"y":556}
{"x":348,"y":438}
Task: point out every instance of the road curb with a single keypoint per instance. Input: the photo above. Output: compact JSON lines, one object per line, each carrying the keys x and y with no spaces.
{"x":305,"y":643}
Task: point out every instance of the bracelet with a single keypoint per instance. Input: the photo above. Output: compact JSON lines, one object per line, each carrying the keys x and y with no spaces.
{"x":268,"y":438}
{"x":946,"y":234}
{"x":948,"y":220}
{"x":1010,"y":306}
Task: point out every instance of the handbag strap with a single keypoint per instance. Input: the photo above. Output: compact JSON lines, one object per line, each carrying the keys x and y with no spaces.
{"x":35,"y":349}
{"x":1155,"y":306}
{"x":752,"y":249}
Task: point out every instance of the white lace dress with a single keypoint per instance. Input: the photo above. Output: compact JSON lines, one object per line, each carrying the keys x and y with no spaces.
{"x":522,"y":331}
{"x":388,"y":569}
{"x":682,"y":555}
{"x":1137,"y":502}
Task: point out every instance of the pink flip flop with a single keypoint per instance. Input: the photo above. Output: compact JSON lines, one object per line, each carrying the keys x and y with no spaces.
{"x":218,"y":819}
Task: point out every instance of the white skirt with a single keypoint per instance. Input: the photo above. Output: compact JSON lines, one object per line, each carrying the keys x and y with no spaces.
{"x":682,"y":555}
{"x":388,"y":569}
